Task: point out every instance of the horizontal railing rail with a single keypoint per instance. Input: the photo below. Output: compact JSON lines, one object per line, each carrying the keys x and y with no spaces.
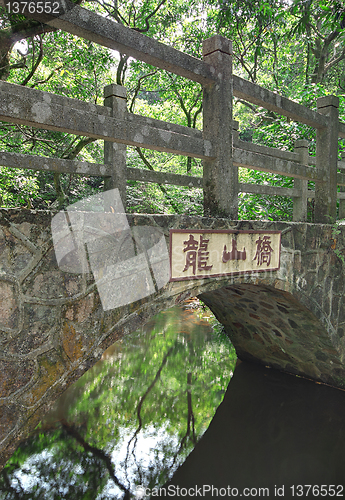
{"x":103,"y":31}
{"x":268,"y":190}
{"x":94,"y":27}
{"x":249,"y":159}
{"x":62,"y":166}
{"x":66,"y":115}
{"x":251,"y":92}
{"x":268,"y":151}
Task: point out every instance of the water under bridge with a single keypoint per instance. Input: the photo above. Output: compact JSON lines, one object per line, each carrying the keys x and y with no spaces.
{"x":53,"y":324}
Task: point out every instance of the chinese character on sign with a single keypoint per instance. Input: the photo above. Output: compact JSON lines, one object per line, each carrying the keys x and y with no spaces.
{"x":234,"y":254}
{"x":263,"y":251}
{"x":197,"y":254}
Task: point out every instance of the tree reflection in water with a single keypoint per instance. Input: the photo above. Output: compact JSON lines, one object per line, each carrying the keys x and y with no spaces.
{"x":133,"y":418}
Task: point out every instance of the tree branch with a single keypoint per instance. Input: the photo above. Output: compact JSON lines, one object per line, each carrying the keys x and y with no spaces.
{"x":146,"y":20}
{"x":76,"y":150}
{"x":62,"y":198}
{"x":142,"y":399}
{"x":72,"y":431}
{"x":39,"y":82}
{"x":121,"y":69}
{"x":197,"y":112}
{"x":34,"y":64}
{"x":138,"y":87}
{"x":334,"y":61}
{"x":246,"y":104}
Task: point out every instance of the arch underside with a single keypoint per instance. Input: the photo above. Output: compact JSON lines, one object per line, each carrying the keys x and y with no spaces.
{"x":272,"y":327}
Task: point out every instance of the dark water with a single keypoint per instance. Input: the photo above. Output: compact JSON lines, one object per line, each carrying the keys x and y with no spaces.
{"x":133,"y":418}
{"x":273,"y":435}
{"x":142,"y":417}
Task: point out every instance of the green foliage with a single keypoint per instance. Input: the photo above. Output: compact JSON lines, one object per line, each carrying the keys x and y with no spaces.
{"x":18,"y":187}
{"x":335,"y":233}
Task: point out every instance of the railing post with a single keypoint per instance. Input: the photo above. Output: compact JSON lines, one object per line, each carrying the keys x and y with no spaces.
{"x":342,"y":189}
{"x":300,"y":203}
{"x":115,"y":154}
{"x":326,"y":161}
{"x":220,"y":176}
{"x":235,"y":133}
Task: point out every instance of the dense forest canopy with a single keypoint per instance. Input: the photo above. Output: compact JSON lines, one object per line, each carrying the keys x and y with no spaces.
{"x":296,"y":48}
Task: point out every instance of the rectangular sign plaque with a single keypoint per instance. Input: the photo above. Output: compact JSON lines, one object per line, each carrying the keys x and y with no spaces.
{"x":205,"y":253}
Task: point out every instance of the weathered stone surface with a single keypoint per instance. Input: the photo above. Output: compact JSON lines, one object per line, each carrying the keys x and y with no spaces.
{"x":48,"y":282}
{"x":14,"y":375}
{"x":9,"y":306}
{"x":251,"y":92}
{"x":220,"y":175}
{"x":50,"y":369}
{"x":9,"y":414}
{"x":289,"y":335}
{"x":81,"y":325}
{"x":54,"y":112}
{"x":89,"y":25}
{"x":13,"y":255}
{"x":327,"y":161}
{"x":39,"y":324}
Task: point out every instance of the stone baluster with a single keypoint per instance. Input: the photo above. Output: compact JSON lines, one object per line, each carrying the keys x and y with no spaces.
{"x":220,"y":175}
{"x":300,"y":202}
{"x":114,"y":153}
{"x":342,"y":190}
{"x":235,"y":133}
{"x":326,"y":161}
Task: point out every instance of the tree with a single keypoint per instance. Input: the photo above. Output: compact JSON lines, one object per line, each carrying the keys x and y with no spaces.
{"x":322,"y":24}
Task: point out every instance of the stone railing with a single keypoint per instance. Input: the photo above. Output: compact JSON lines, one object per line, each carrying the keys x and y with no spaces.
{"x":217,"y":145}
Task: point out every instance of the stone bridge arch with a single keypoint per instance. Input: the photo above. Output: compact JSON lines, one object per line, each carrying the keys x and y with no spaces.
{"x":270,"y":326}
{"x":53,"y":327}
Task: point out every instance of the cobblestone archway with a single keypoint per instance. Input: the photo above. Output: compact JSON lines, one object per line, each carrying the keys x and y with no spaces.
{"x":271,"y":327}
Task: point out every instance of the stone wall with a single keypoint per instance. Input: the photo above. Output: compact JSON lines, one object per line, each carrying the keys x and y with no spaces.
{"x":53,"y":327}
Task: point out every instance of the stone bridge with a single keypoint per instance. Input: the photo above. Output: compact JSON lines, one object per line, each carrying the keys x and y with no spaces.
{"x":53,"y":326}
